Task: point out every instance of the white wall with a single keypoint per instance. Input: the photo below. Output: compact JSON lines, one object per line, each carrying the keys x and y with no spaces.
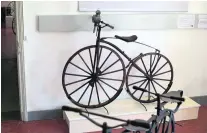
{"x":46,"y":54}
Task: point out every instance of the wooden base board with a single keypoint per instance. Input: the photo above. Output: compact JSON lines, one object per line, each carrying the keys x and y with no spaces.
{"x":127,"y":109}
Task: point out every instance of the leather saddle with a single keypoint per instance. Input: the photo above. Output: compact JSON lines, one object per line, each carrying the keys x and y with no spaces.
{"x":127,"y":38}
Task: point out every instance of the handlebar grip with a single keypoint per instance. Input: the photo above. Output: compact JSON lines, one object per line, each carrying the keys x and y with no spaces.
{"x":67,"y":108}
{"x":140,"y":123}
{"x":177,"y":98}
{"x":140,"y":89}
{"x":112,"y":27}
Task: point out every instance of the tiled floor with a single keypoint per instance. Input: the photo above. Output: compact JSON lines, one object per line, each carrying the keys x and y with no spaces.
{"x":59,"y":126}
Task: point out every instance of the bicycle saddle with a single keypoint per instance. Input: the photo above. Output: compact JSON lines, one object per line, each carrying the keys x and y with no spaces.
{"x":127,"y":38}
{"x":178,"y":93}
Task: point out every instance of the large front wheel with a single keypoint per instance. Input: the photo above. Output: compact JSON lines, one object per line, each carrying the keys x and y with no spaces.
{"x":93,"y":80}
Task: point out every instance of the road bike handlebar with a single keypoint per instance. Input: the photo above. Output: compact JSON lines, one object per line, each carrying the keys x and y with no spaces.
{"x":143,"y":124}
{"x":181,"y":99}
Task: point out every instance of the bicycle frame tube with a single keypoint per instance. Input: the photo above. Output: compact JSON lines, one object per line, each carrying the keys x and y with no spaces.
{"x":127,"y":57}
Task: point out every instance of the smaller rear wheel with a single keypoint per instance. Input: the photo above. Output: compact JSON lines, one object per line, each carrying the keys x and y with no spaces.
{"x":160,"y":71}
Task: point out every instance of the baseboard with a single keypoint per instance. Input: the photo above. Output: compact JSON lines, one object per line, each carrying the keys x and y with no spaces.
{"x":57,"y":113}
{"x":45,"y":114}
{"x":202,"y":100}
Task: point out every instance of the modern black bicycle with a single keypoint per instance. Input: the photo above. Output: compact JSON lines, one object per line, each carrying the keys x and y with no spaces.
{"x":94,"y":76}
{"x":162,"y":122}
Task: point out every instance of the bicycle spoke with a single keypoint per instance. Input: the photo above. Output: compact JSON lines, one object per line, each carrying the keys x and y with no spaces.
{"x":153,"y":86}
{"x":105,"y":60}
{"x":80,"y":68}
{"x":108,"y":84}
{"x":103,"y":90}
{"x":94,"y":63}
{"x":162,"y":79}
{"x":97,"y":93}
{"x":139,"y":86}
{"x":160,"y":68}
{"x":84,"y":62}
{"x":143,"y":91}
{"x":76,"y":75}
{"x":162,"y":73}
{"x":83,"y":93}
{"x":110,"y":66}
{"x":144,"y":65}
{"x":150,"y":63}
{"x":111,"y":72}
{"x":110,"y":79}
{"x":167,"y":129}
{"x":78,"y":88}
{"x":148,"y":90}
{"x":90,"y":57}
{"x":76,"y":81}
{"x":159,"y":84}
{"x":136,"y":76}
{"x":159,"y":57}
{"x":136,"y":82}
{"x":90,"y":95}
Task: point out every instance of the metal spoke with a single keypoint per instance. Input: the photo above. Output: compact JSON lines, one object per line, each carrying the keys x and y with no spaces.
{"x":90,"y":95}
{"x":136,"y":76}
{"x":84,"y":62}
{"x":76,"y":75}
{"x":160,"y":124}
{"x":162,"y":79}
{"x":94,"y":65}
{"x":150,"y":63}
{"x":136,"y":82}
{"x":76,"y":81}
{"x":80,"y":68}
{"x":83,"y":93}
{"x":91,"y":57}
{"x":105,"y":60}
{"x":103,"y":90}
{"x":153,"y":86}
{"x":159,"y":57}
{"x":167,"y":129}
{"x":108,"y":84}
{"x":78,"y":88}
{"x":110,"y":66}
{"x":160,"y":68}
{"x":111,"y":72}
{"x":148,"y":90}
{"x":162,"y":73}
{"x":110,"y":79}
{"x":144,"y":65}
{"x":97,"y":93}
{"x":139,"y":86}
{"x":159,"y":84}
{"x":143,"y":91}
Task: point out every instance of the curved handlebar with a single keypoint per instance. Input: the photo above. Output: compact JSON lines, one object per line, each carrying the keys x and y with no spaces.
{"x":181,"y":99}
{"x":143,"y":124}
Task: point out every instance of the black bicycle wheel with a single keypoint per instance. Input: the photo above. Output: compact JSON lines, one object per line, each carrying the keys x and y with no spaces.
{"x":92,"y":88}
{"x":14,"y":26}
{"x":165,"y":125}
{"x":160,"y":70}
